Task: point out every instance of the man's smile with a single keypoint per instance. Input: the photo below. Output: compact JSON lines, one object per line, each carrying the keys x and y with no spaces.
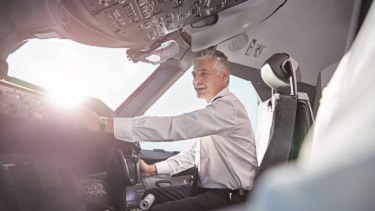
{"x":199,"y":88}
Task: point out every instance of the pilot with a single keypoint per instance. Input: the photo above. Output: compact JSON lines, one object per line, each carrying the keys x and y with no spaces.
{"x":223,"y":153}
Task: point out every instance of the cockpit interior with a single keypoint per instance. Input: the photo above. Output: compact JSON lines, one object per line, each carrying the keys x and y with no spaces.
{"x":282,"y":55}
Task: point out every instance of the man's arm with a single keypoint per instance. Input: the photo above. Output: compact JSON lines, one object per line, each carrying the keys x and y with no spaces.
{"x":215,"y":119}
{"x":108,"y":128}
{"x":173,"y":165}
{"x":180,"y":162}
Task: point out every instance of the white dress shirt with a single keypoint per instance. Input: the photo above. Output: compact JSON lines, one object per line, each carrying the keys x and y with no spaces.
{"x":224,"y":148}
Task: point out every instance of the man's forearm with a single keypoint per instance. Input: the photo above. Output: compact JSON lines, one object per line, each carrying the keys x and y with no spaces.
{"x":109,"y":127}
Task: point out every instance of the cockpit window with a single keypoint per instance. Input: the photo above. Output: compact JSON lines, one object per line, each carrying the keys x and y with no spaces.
{"x":70,"y":70}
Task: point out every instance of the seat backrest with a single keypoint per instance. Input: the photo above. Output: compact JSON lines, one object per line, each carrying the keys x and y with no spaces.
{"x":283,"y":120}
{"x":275,"y":147}
{"x":303,"y":122}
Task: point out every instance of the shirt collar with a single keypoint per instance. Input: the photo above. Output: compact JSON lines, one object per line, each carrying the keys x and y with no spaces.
{"x":222,"y":93}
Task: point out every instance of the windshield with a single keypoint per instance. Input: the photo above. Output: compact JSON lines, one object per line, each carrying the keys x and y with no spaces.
{"x":70,"y":70}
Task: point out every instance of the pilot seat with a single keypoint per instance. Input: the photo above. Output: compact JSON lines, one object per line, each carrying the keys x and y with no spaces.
{"x":284,"y":119}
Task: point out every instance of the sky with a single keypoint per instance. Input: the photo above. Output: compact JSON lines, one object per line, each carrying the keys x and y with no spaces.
{"x":70,"y":70}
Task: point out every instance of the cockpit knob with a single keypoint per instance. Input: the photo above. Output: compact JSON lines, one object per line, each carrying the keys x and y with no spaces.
{"x":142,"y":2}
{"x":147,"y":15}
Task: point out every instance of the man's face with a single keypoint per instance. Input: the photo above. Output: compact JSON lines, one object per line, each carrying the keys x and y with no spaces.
{"x":207,"y":82}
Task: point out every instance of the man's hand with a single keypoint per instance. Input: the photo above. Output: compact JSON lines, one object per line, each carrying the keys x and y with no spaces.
{"x":85,"y":117}
{"x":147,"y":170}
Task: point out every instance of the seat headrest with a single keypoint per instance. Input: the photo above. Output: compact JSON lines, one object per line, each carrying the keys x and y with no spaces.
{"x":277,"y":70}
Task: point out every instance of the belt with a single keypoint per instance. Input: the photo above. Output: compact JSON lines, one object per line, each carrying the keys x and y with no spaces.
{"x":238,"y":192}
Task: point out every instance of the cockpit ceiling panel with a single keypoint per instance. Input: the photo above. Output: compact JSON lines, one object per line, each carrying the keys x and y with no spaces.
{"x":232,"y":22}
{"x":146,"y":20}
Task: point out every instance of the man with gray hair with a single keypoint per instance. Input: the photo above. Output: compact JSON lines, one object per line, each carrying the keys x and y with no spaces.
{"x":223,"y":152}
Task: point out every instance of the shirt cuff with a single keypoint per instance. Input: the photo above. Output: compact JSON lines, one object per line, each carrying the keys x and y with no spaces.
{"x":163,"y":168}
{"x":123,"y":129}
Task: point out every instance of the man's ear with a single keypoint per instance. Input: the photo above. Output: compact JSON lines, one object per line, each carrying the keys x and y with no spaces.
{"x":226,"y":75}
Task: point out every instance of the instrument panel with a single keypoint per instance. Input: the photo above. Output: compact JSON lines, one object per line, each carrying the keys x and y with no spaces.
{"x":40,"y":151}
{"x":146,"y":20}
{"x":19,"y":102}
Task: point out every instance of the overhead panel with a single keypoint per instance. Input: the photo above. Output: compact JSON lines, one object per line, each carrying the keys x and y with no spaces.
{"x":145,"y":20}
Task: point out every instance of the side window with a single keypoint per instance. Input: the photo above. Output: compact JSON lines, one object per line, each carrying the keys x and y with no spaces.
{"x":181,"y":98}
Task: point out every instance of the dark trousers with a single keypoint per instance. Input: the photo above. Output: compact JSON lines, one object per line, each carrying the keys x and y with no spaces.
{"x":180,"y":198}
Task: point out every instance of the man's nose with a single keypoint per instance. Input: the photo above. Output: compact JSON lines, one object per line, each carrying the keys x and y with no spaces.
{"x":197,"y":79}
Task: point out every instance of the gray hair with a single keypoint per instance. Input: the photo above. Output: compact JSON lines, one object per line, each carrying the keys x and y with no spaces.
{"x":221,"y":62}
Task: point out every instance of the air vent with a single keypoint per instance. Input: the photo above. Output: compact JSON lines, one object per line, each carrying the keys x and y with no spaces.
{"x":238,"y":42}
